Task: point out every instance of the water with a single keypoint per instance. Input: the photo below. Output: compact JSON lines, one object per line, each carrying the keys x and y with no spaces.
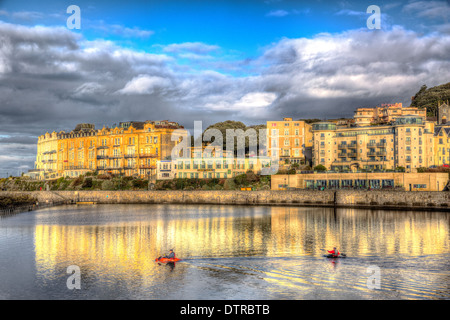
{"x":228,"y":252}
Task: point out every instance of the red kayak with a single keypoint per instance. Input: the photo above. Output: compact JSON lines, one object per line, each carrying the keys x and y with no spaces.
{"x":165,"y":260}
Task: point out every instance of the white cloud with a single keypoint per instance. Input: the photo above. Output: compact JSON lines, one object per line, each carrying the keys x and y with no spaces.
{"x":428,"y":9}
{"x":256,"y":100}
{"x":145,"y":84}
{"x":277,"y":13}
{"x":195,"y":47}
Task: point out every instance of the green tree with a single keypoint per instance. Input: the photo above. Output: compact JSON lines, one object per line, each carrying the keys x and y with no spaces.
{"x":320,"y":168}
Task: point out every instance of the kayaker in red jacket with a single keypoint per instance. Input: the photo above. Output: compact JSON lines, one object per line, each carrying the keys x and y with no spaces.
{"x":334,"y":252}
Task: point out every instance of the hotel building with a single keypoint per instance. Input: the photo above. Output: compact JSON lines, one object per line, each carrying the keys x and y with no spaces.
{"x":289,"y":139}
{"x":408,"y":141}
{"x":130,"y":149}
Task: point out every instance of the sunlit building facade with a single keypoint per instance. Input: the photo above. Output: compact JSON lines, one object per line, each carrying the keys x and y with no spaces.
{"x":289,"y":139}
{"x":129,"y":149}
{"x":408,"y":142}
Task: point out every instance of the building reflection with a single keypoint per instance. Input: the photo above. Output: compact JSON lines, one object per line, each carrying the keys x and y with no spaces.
{"x":128,"y":247}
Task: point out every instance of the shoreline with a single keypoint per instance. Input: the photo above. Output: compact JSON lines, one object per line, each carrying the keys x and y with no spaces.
{"x":356,"y":199}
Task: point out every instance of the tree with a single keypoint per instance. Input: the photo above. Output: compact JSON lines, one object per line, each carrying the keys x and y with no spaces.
{"x":430,"y":98}
{"x":320,"y":167}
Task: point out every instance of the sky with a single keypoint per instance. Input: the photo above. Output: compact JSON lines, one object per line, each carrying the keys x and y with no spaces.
{"x":209,"y":61}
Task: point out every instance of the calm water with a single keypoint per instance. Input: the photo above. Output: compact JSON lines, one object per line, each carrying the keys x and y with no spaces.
{"x":229,"y":252}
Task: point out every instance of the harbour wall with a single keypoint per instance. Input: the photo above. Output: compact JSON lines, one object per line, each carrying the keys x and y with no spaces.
{"x":426,"y":200}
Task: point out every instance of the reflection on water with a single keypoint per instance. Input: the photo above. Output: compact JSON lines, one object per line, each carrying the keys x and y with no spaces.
{"x":228,"y":252}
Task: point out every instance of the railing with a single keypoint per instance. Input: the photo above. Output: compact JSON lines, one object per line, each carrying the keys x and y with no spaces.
{"x":130,"y":155}
{"x":144,"y":166}
{"x":148,"y":155}
{"x":30,"y":207}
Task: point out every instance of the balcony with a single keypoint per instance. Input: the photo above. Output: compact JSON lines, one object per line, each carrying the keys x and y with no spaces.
{"x":115,"y":156}
{"x":352,"y":155}
{"x":145,"y":166}
{"x":148,"y":155}
{"x":102,"y":147}
{"x":371,"y":153}
{"x":101,"y":156}
{"x":113,"y":168}
{"x":130,"y":155}
{"x":342,"y":146}
{"x":381,"y":144}
{"x":371,"y":144}
{"x":381,"y":153}
{"x":352,"y":146}
{"x":342,"y":155}
{"x":77,"y":168}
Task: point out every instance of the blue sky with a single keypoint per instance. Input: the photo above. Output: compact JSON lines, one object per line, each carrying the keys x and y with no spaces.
{"x":238,"y":27}
{"x":185,"y":61}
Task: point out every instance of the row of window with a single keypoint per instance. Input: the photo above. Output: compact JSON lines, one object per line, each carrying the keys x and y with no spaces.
{"x":207,"y":175}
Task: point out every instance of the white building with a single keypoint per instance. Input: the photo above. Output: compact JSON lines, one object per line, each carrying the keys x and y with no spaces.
{"x":165,"y":170}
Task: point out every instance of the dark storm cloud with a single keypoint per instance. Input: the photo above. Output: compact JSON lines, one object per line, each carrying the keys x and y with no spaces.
{"x":52,"y":78}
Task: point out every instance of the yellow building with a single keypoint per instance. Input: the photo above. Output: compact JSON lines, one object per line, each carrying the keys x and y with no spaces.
{"x":407,"y":142}
{"x":130,"y":149}
{"x":46,"y":158}
{"x":133,"y":148}
{"x":289,"y":139}
{"x":442,"y":145}
{"x":385,"y":114}
{"x":77,"y":150}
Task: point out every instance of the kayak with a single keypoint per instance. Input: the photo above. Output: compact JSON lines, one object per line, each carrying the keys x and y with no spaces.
{"x":342,"y":255}
{"x":165,"y":260}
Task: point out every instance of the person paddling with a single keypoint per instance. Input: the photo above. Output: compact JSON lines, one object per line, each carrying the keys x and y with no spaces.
{"x":171,"y":255}
{"x":334,"y":253}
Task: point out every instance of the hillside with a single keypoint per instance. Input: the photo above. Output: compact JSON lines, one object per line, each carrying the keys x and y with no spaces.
{"x":229,"y":124}
{"x":430,"y":97}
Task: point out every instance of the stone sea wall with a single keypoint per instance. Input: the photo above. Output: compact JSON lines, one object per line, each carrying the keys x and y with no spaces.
{"x":340,"y":198}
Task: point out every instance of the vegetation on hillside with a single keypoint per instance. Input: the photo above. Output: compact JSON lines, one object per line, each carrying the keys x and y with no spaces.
{"x":430,"y":98}
{"x":229,"y":124}
{"x":92,"y":181}
{"x":13,"y":201}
